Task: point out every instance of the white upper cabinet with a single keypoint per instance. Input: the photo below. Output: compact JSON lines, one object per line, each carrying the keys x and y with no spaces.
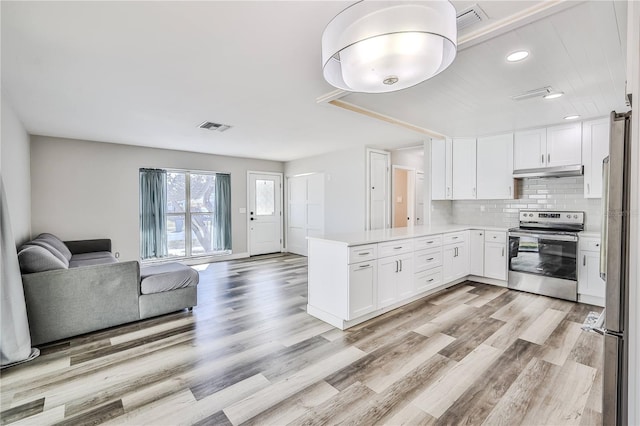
{"x":549,"y":147}
{"x":530,"y":148}
{"x":464,"y":169}
{"x":564,"y":145}
{"x":441,"y":151}
{"x":595,"y":147}
{"x":495,"y":167}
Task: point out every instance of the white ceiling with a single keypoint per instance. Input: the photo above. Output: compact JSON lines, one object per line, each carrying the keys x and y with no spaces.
{"x":147,"y":73}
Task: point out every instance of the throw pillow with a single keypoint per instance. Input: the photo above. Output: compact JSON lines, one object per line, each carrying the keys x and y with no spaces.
{"x":57,"y":243}
{"x":38,"y":259}
{"x":45,"y":244}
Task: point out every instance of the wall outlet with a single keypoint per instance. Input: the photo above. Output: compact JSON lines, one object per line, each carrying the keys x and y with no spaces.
{"x":482,"y":208}
{"x":243,"y":210}
{"x":117,"y":255}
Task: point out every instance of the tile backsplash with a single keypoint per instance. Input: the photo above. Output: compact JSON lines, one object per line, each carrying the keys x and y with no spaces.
{"x":534,"y":193}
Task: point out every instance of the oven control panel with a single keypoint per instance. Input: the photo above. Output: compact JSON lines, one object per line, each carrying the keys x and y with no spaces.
{"x":551,"y":217}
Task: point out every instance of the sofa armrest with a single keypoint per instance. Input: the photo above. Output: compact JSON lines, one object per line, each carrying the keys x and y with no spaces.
{"x":68,"y":302}
{"x":88,"y":246}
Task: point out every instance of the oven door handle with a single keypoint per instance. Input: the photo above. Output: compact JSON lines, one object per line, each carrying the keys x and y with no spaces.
{"x":544,"y":236}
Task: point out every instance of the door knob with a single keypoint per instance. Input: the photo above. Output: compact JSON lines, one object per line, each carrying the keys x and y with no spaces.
{"x":251,"y":219}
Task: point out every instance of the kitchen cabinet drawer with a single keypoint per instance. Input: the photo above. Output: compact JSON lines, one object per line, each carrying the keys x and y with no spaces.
{"x":495,"y":237}
{"x":590,"y":244}
{"x":427,"y":259}
{"x":427,"y":242}
{"x":363,"y":253}
{"x":454,"y":238}
{"x":393,"y":248}
{"x":427,"y":280}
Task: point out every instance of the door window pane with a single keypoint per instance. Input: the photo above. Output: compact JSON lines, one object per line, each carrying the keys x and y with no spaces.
{"x":202,"y":192}
{"x":201,"y":233}
{"x":175,"y":235}
{"x":265,"y":197}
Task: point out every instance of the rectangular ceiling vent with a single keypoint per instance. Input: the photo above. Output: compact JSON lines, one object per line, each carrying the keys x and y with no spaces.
{"x":214,"y":126}
{"x":470,"y":17}
{"x":535,"y":93}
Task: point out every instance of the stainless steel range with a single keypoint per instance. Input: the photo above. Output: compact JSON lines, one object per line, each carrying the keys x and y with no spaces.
{"x":543,"y":253}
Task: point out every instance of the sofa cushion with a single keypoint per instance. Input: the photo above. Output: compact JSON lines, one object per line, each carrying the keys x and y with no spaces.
{"x":166,"y":277}
{"x":90,"y":259}
{"x":38,"y":259}
{"x":57,"y":243}
{"x":45,"y":244}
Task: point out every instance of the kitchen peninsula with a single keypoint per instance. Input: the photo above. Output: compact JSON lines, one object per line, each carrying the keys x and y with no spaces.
{"x":356,"y":276}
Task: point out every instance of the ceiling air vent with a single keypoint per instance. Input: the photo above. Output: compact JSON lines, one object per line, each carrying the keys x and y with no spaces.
{"x":214,"y":126}
{"x":469,"y":17}
{"x":535,"y":93}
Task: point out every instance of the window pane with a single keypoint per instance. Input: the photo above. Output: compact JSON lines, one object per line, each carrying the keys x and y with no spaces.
{"x":265,"y":197}
{"x":175,"y":235}
{"x":202,"y":192}
{"x":176,"y":192}
{"x":201,"y":233}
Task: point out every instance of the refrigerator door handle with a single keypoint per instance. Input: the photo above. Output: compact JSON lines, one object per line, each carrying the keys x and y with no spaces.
{"x":604,"y":219}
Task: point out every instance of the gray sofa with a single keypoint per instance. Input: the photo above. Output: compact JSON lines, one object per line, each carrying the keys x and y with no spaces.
{"x":76,"y":287}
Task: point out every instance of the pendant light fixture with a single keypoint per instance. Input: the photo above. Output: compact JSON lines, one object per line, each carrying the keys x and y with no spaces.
{"x":384,"y":46}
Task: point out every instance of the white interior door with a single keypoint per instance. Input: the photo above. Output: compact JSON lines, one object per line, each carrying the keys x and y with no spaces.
{"x":306,"y":210}
{"x":265,"y":213}
{"x":378,"y":179}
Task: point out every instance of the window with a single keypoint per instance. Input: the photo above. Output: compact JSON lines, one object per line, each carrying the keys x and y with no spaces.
{"x":198,"y":213}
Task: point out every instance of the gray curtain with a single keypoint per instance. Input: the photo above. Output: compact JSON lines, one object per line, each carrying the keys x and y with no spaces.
{"x":15,"y":340}
{"x":153,"y":213}
{"x":222,"y":212}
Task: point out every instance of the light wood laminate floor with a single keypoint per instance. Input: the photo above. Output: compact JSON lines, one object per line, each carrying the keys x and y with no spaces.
{"x":249,"y":354}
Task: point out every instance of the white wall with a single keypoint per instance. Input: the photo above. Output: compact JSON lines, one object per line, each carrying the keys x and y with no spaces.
{"x":15,"y":166}
{"x":412,"y":158}
{"x":84,"y":189}
{"x":344,"y":187}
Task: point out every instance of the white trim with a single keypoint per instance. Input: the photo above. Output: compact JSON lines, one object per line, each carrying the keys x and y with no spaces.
{"x":247,"y":220}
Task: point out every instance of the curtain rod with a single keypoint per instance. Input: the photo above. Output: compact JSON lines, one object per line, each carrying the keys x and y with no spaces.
{"x":174,"y":169}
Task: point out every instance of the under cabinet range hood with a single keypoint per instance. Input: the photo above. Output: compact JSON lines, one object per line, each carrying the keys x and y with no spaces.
{"x":560,"y":171}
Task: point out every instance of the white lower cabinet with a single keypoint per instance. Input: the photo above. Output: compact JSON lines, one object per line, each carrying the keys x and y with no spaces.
{"x":395,"y":279}
{"x":591,"y":288}
{"x":495,"y":255}
{"x":427,"y":280}
{"x":363,"y":288}
{"x":476,"y":252}
{"x":455,"y":261}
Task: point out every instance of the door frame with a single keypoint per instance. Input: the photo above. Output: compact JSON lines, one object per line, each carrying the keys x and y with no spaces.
{"x":411,"y":192}
{"x":367,"y":207}
{"x":248,"y":199}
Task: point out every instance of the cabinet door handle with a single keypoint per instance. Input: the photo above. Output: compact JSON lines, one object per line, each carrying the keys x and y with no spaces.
{"x":454,"y":238}
{"x":584,"y":260}
{"x":502,"y":251}
{"x":548,"y":158}
{"x":598,"y":245}
{"x":397,"y":248}
{"x":400,"y":265}
{"x":430,"y":259}
{"x":366,"y":253}
{"x":480,"y":234}
{"x":430,"y":280}
{"x":509,"y":193}
{"x":588,"y":189}
{"x":365,"y":266}
{"x":429,"y":242}
{"x":542,"y":159}
{"x":397,"y":266}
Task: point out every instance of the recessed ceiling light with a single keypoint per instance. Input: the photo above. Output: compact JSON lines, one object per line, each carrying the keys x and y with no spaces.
{"x":571,"y":117}
{"x":553,"y":95}
{"x":517,"y":56}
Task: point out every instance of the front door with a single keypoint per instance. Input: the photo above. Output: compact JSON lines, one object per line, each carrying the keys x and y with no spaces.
{"x":265,"y":213}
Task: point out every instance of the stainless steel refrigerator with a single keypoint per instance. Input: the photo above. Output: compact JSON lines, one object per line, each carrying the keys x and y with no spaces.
{"x":614,"y":269}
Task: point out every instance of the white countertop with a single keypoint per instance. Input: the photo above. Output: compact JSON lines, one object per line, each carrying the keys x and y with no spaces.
{"x":381,"y":235}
